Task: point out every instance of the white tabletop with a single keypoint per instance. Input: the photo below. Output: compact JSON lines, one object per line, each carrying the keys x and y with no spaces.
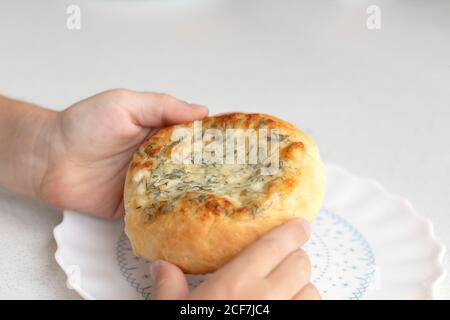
{"x":376,"y":101}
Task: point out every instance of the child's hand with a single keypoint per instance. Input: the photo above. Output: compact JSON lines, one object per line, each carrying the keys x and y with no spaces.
{"x":274,"y":267}
{"x":92,"y":143}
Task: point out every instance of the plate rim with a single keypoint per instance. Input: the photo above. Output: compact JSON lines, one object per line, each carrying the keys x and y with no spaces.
{"x":441,"y":272}
{"x":73,"y":286}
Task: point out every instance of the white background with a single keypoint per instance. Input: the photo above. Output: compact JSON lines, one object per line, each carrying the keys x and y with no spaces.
{"x":376,"y":102}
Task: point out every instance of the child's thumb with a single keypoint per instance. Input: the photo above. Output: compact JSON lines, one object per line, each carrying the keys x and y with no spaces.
{"x":169,"y":282}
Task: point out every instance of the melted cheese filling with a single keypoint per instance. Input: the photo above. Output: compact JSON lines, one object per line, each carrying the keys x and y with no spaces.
{"x":241,"y":184}
{"x":238,"y":183}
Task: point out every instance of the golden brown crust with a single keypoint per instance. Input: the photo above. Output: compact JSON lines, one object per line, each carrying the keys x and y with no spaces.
{"x":198,"y":216}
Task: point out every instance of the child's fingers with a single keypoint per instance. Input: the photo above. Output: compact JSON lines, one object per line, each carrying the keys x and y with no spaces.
{"x":260,"y":258}
{"x":169,"y":282}
{"x":291,"y":275}
{"x":309,"y":292}
{"x":155,"y":109}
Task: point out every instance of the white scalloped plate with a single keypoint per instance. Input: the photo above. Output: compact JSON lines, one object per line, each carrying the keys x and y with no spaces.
{"x":366,"y":244}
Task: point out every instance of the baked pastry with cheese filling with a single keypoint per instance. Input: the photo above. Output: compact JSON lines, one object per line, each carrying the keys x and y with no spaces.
{"x":191,"y":201}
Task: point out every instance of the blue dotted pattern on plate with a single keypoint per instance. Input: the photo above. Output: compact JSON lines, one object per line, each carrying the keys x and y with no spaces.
{"x":343,"y":264}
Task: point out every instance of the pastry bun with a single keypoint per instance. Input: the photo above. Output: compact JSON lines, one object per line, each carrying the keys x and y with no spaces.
{"x":191,"y":201}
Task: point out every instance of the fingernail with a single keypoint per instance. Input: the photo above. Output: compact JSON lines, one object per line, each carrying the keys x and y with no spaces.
{"x":154,"y":269}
